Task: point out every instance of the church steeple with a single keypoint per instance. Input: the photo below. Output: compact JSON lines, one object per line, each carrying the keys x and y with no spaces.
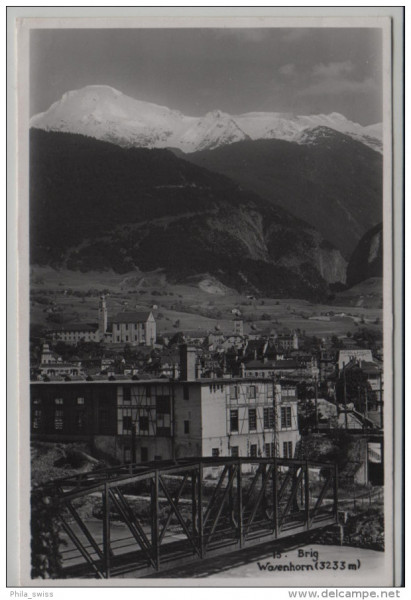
{"x":102,"y":315}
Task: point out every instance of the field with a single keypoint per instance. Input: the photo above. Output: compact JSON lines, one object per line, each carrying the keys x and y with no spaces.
{"x":61,"y":296}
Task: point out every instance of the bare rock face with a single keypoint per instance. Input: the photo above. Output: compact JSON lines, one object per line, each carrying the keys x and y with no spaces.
{"x":329,"y":179}
{"x":331,"y":265}
{"x":366,"y":260}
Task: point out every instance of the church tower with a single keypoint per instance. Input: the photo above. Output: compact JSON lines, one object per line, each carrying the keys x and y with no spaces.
{"x":102,"y":316}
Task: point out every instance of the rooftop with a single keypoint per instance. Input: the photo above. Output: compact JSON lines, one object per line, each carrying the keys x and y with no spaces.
{"x":103,"y":379}
{"x":75,"y":327}
{"x":132,"y":317}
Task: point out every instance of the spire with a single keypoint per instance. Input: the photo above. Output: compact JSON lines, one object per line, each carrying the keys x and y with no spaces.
{"x":102,"y":316}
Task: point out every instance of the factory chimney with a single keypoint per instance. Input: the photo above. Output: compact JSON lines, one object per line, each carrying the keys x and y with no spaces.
{"x":188,"y":363}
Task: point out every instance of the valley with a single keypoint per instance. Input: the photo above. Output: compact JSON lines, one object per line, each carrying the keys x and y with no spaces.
{"x":64,"y":296}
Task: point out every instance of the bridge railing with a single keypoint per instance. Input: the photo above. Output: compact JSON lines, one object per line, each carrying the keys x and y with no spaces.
{"x":143,"y":519}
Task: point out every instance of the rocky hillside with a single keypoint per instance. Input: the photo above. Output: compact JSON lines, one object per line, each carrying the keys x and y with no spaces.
{"x":330,"y":180}
{"x":94,"y":205}
{"x":367,"y":259}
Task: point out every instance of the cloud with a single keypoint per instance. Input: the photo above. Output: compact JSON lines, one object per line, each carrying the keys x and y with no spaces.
{"x":287,"y":70}
{"x":336,"y":78}
{"x":333,"y":87}
{"x":333,"y":70}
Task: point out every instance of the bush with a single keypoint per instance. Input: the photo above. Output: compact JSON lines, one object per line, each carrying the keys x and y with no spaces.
{"x":46,"y":541}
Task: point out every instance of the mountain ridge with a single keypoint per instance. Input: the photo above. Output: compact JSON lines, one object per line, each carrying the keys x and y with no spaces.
{"x":94,"y":205}
{"x":334,"y":182}
{"x":107,"y":114}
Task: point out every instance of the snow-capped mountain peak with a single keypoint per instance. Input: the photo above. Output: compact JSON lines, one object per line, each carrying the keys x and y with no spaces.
{"x":102,"y":112}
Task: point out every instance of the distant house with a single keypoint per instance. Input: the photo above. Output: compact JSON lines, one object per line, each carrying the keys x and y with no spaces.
{"x":52,"y":365}
{"x":358,"y":354}
{"x":73,"y":333}
{"x":280,"y":368}
{"x":270,"y":368}
{"x":286,"y":341}
{"x":136,"y":328}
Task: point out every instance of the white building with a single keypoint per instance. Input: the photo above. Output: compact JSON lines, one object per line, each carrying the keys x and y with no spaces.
{"x":73,"y":333}
{"x":134,"y":328}
{"x":161,"y":419}
{"x":52,"y":365}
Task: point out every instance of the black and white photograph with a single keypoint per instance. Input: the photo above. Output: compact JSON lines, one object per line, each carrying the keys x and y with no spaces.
{"x":207,"y":385}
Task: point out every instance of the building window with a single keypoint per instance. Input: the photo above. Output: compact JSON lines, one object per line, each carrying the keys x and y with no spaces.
{"x":80,"y":420}
{"x":127,"y":424}
{"x":163,"y":424}
{"x":144,"y":454}
{"x":158,"y":457}
{"x":269,"y":450}
{"x":253,"y":450}
{"x":58,"y":419}
{"x":186,"y":392}
{"x":234,"y":420}
{"x":234,"y":451}
{"x":233,"y":392}
{"x":148,"y":391}
{"x":252,"y":392}
{"x":126,"y":394}
{"x":252,"y":419}
{"x":215,"y":452}
{"x":80,"y":400}
{"x":186,"y":426}
{"x":143,"y":423}
{"x":287,"y":449}
{"x":163,"y":404}
{"x":269,"y":418}
{"x":58,"y":401}
{"x":285,"y":417}
{"x":37,"y":419}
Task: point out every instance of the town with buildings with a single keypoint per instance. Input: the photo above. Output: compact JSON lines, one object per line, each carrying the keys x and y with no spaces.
{"x":206,"y":298}
{"x":138,"y":396}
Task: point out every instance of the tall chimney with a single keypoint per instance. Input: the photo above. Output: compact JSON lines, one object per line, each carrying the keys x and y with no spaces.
{"x":188,"y":360}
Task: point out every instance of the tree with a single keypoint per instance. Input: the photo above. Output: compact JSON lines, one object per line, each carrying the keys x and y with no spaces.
{"x":46,"y":541}
{"x":357,"y":388}
{"x":336,"y":343}
{"x":306,"y":415}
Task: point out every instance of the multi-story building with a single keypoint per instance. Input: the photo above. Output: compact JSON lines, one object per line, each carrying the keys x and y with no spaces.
{"x":287,"y":341}
{"x":134,"y":328}
{"x":72,"y":333}
{"x":132,"y":419}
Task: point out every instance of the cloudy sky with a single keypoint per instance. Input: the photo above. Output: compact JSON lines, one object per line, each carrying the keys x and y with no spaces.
{"x":304,"y":71}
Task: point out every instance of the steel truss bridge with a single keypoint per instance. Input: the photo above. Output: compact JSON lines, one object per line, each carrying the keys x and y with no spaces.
{"x":145,"y":519}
